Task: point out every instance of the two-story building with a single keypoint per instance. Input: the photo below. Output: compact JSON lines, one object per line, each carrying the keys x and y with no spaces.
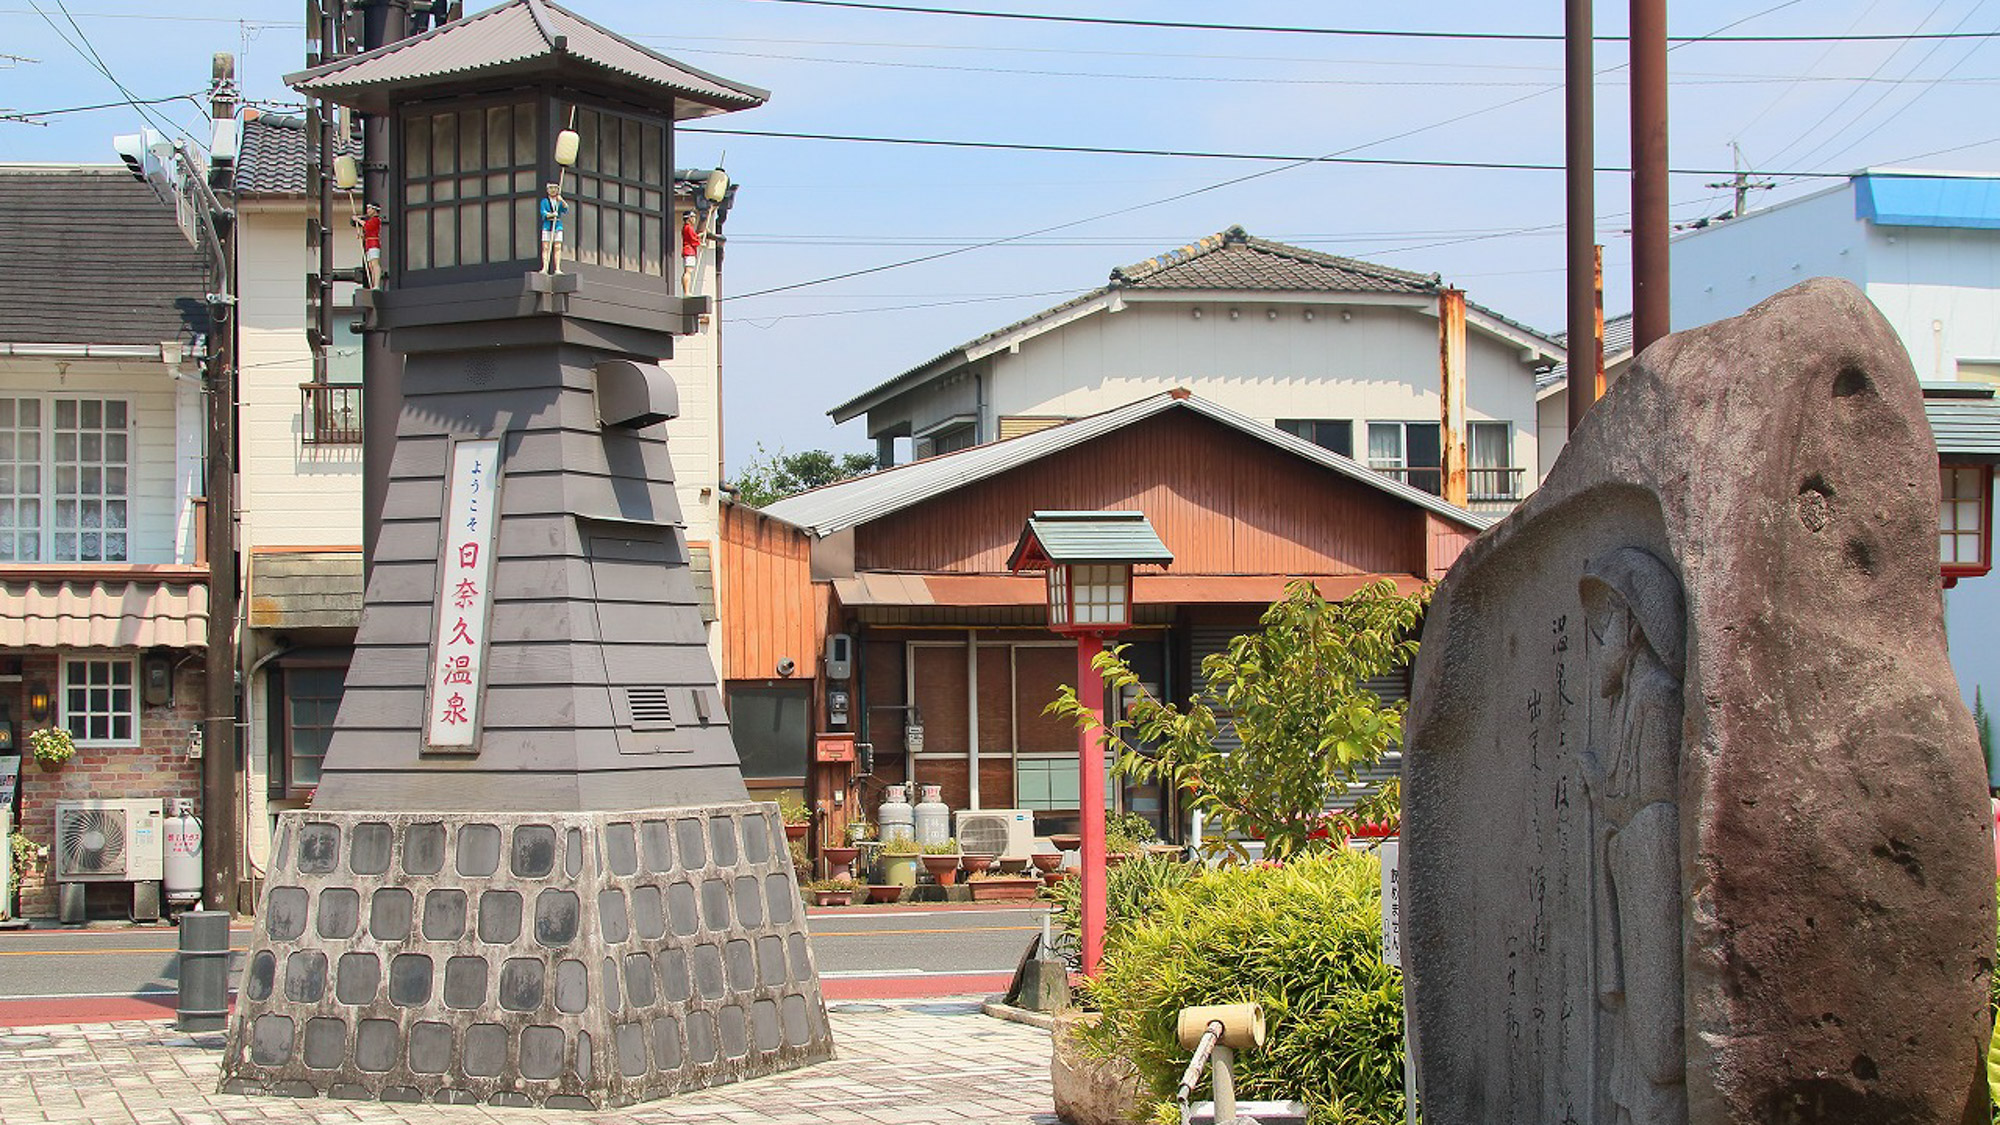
{"x":300,"y":466}
{"x":1340,"y":352}
{"x":103,"y":580}
{"x":949,"y":659}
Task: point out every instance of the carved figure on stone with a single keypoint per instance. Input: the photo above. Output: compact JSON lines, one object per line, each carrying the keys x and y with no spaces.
{"x":1635,"y":613}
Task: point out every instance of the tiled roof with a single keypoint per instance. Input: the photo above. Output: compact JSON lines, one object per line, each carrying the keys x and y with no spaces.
{"x":1617,"y":349}
{"x":1230,"y":260}
{"x":836,"y":507}
{"x":1234,"y":259}
{"x":1965,"y":419}
{"x":520,"y":38}
{"x":88,"y":255}
{"x":272,"y":157}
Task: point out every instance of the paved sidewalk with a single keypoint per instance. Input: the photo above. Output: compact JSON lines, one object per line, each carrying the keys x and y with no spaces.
{"x":900,"y":1063}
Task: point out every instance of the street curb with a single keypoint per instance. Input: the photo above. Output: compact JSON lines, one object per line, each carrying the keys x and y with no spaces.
{"x":999,"y":1009}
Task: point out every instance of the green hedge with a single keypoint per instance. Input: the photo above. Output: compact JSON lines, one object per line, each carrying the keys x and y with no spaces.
{"x":1303,"y":939}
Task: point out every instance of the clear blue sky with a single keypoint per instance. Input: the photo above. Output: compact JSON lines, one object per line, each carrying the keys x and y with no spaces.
{"x":809,"y":209}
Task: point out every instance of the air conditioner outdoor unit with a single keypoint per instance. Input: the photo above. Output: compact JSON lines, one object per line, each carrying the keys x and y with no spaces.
{"x":1007,"y":833}
{"x":109,"y":841}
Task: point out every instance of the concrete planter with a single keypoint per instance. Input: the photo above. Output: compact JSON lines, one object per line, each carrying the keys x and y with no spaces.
{"x":1005,"y":889}
{"x":1090,"y":1090}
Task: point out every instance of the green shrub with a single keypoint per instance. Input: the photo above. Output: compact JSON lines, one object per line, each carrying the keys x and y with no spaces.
{"x":1129,"y":890}
{"x":1304,"y":940}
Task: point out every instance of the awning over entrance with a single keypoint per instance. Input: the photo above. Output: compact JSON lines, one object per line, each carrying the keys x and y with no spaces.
{"x":139,"y":608}
{"x":884,"y":589}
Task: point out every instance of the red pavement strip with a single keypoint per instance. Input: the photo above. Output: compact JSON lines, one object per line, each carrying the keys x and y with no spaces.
{"x":108,"y":1009}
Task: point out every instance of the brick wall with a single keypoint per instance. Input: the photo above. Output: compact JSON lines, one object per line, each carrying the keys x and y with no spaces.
{"x":157,"y":767}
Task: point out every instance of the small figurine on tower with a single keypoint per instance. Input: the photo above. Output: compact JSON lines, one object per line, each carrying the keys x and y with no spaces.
{"x":690,"y":249}
{"x":554,"y":207}
{"x":370,"y":225}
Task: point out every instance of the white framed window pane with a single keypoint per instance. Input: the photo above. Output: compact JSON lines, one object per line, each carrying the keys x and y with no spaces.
{"x":100,"y":702}
{"x":1385,"y":445}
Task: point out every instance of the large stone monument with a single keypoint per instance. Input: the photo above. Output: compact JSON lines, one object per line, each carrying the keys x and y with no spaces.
{"x":532,"y":874}
{"x":1695,"y":822}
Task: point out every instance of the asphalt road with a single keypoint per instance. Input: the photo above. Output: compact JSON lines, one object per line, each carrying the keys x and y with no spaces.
{"x":64,"y":975}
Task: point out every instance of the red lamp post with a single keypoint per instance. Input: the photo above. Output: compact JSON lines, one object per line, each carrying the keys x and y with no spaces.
{"x":1088,"y":557}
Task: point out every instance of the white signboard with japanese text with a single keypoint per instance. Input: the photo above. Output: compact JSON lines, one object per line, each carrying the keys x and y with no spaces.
{"x":465,"y":596}
{"x":1392,"y":903}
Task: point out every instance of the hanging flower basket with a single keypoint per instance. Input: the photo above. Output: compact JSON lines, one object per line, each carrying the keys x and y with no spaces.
{"x":52,"y":746}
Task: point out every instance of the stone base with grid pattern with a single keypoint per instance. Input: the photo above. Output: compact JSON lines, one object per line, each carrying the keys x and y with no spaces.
{"x":573,"y":960}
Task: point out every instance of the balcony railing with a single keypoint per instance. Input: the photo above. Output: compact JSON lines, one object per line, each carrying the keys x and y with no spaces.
{"x":1481,"y":484}
{"x":331,"y":413}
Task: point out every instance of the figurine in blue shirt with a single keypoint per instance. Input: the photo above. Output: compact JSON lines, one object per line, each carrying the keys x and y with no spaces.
{"x":553,"y":209}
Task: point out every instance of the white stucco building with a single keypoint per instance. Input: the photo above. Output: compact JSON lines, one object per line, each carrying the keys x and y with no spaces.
{"x":1341,"y":352}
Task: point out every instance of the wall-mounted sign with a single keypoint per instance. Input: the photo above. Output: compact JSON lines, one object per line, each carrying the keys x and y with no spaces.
{"x":464,"y":597}
{"x":1392,"y":903}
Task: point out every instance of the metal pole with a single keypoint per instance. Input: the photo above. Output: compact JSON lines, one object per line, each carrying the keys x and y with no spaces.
{"x":1651,"y":315}
{"x":1090,"y":787}
{"x":1580,"y":189}
{"x":218,"y":765}
{"x":383,"y":22}
{"x":203,"y":1002}
{"x":1451,"y":394}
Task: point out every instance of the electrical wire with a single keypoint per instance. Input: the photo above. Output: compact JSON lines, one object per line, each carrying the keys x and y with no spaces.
{"x":1197,"y":154}
{"x":88,"y":52}
{"x":1370,"y":33}
{"x":1851,"y":145}
{"x":24,"y":114}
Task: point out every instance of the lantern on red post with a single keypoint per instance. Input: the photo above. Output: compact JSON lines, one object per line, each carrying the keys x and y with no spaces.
{"x":1088,"y":557}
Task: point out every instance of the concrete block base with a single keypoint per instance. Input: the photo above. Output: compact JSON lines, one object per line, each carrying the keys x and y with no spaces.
{"x":568,"y":960}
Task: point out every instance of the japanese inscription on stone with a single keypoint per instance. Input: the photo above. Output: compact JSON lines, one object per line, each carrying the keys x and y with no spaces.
{"x":464,"y":598}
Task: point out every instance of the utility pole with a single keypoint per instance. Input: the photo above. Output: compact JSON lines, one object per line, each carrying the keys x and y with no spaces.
{"x":1741,"y":181}
{"x":383,"y":22}
{"x":1651,"y":313}
{"x":1585,"y":304}
{"x":221,"y":820}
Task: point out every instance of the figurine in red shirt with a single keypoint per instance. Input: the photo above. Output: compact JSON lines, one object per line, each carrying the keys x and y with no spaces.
{"x":690,"y":246}
{"x":371,"y":243}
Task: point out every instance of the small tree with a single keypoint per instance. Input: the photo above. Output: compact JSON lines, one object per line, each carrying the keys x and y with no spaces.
{"x":1982,"y":720}
{"x":770,"y":477}
{"x":1293,"y":693}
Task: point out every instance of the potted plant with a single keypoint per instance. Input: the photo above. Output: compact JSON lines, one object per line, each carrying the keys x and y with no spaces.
{"x":941,"y":860}
{"x":885,"y":892}
{"x":977,"y":862}
{"x":1046,"y":862}
{"x":797,"y":817}
{"x":900,"y":858}
{"x":989,"y":886}
{"x":52,"y":746}
{"x":831,"y":892}
{"x":1066,"y":841}
{"x":840,"y":862}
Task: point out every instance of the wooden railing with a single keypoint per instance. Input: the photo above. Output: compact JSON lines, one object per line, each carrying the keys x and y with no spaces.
{"x":1481,"y":484}
{"x":331,"y":413}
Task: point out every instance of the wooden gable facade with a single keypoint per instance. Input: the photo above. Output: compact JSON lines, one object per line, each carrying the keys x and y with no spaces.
{"x":946,"y":640}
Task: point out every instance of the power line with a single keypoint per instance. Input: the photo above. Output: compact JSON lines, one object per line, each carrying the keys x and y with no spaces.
{"x":1898,"y":112}
{"x":1370,"y":33}
{"x":88,"y":52}
{"x":1155,"y":76}
{"x":1196,"y":154}
{"x":24,"y":114}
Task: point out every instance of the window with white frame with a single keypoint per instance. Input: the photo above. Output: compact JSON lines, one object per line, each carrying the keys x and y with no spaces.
{"x":65,"y":477}
{"x":1408,"y":452}
{"x":100,"y":699}
{"x":1490,"y":461}
{"x":1962,"y":515}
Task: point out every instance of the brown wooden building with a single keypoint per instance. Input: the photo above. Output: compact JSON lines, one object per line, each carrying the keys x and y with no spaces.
{"x":910,"y":565}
